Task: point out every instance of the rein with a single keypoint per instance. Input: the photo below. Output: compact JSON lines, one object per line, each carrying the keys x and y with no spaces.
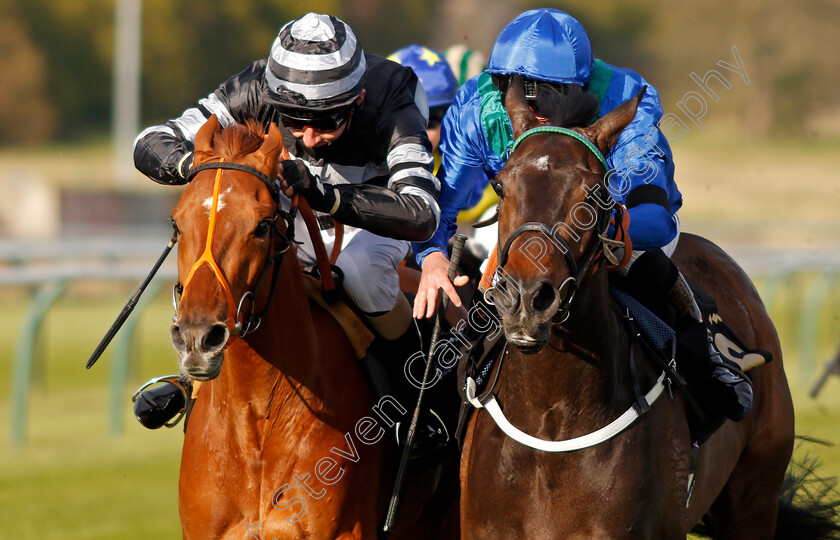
{"x":235,"y":316}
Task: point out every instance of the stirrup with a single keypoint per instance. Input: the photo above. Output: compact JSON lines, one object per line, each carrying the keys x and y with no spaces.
{"x":175,"y":380}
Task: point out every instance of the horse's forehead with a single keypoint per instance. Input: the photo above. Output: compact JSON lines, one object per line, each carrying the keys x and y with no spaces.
{"x":546,"y":186}
{"x":240,"y":193}
{"x":548,"y":151}
{"x":545,"y":174}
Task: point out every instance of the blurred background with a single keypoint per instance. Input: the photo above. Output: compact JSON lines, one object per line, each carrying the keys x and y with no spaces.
{"x":79,"y":228}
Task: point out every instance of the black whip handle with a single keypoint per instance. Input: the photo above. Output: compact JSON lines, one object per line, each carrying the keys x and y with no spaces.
{"x":393,"y":505}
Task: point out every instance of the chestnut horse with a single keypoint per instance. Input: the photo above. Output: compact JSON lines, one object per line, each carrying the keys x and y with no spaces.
{"x":563,"y":379}
{"x":285,"y":438}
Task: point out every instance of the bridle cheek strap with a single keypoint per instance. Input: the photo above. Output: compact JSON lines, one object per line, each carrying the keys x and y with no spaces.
{"x":207,"y":258}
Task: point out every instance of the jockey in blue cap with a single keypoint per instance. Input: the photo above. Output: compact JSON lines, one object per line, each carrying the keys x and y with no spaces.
{"x":437,"y":79}
{"x":547,"y":46}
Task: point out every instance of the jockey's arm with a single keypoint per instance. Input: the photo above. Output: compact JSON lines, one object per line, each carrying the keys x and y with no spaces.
{"x":404,"y":214}
{"x":164,"y":152}
{"x":408,"y":212}
{"x":462,"y":168}
{"x":406,"y":208}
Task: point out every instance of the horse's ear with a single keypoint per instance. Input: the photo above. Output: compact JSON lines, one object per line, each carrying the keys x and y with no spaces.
{"x":522,"y":118}
{"x":604,"y":133}
{"x":204,"y":137}
{"x":271,"y":147}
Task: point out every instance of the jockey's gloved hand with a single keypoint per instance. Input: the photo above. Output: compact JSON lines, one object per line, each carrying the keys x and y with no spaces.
{"x":321,"y":197}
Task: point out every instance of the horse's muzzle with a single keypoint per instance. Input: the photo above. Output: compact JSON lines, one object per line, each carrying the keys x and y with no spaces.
{"x":200,"y":348}
{"x":527,"y":313}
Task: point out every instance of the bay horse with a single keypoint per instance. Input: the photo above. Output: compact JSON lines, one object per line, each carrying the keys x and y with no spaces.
{"x":564,"y":379}
{"x":284,"y":439}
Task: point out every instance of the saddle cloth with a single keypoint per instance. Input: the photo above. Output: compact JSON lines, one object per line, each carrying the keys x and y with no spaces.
{"x":357,"y":333}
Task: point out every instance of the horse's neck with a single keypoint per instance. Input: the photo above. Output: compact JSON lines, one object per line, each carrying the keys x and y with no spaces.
{"x":582,"y":369}
{"x":276,"y":369}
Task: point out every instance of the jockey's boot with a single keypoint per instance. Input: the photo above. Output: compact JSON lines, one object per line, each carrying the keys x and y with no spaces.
{"x":403,"y":357}
{"x":154,"y":407}
{"x":730,"y":387}
{"x":734,"y":388}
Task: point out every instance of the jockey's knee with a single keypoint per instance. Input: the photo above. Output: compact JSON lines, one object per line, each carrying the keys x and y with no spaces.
{"x":653,"y":271}
{"x":372,"y":285}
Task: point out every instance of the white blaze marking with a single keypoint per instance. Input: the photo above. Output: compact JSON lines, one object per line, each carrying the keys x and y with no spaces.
{"x":221,"y":204}
{"x":542,"y":163}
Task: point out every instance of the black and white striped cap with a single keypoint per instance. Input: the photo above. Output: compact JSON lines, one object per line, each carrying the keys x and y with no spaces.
{"x":316,"y":63}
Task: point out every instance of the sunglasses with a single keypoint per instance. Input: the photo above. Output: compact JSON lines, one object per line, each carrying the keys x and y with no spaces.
{"x":325,"y":122}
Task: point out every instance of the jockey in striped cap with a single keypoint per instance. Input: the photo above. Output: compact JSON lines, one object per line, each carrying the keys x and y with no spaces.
{"x":316,"y":68}
{"x":355,"y":126}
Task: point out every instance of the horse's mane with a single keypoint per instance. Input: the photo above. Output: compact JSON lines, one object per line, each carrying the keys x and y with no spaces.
{"x":567,"y":105}
{"x":235,"y":140}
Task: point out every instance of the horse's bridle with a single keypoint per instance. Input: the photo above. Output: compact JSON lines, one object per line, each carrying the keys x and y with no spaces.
{"x":235,"y":322}
{"x":488,"y":400}
{"x":602,"y":222}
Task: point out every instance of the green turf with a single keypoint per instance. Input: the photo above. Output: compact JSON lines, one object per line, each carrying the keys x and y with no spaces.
{"x":73,"y":480}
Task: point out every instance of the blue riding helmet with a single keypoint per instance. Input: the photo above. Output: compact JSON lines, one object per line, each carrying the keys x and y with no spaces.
{"x":432,"y":69}
{"x":544,"y":45}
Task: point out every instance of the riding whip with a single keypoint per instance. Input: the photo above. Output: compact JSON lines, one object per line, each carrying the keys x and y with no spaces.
{"x":129,"y":307}
{"x":390,"y":517}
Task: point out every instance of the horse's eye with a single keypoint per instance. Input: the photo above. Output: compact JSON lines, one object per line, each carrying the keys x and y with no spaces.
{"x":262,"y":228}
{"x":497,"y":187}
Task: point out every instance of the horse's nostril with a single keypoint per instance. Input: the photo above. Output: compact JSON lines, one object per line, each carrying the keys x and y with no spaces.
{"x":506,"y":297}
{"x":544,"y":298}
{"x":177,"y":338}
{"x":215,"y":337}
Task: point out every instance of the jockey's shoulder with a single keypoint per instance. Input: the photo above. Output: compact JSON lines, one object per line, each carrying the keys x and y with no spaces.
{"x":623,"y":83}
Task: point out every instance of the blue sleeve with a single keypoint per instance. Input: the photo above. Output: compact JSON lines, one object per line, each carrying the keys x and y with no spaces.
{"x":642,"y":176}
{"x":463,"y":163}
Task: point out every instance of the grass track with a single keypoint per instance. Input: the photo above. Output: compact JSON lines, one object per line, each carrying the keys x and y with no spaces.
{"x":73,"y":480}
